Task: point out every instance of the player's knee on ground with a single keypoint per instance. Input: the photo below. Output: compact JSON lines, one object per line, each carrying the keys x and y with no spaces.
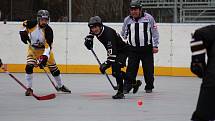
{"x":55,"y":72}
{"x":29,"y":68}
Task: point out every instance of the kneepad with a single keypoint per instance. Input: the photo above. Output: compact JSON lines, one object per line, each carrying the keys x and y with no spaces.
{"x":55,"y":73}
{"x":117,"y":74}
{"x":29,"y":68}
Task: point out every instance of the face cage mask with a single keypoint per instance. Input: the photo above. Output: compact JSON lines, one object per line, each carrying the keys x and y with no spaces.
{"x":43,"y":17}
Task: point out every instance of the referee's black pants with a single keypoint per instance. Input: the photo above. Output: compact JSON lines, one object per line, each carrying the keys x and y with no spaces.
{"x":144,"y":55}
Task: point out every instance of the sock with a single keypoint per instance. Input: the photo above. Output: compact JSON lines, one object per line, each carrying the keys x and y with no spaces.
{"x":58,"y":81}
{"x":29,"y":78}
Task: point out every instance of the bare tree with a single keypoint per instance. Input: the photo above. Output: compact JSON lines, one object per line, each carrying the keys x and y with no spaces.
{"x":109,"y":10}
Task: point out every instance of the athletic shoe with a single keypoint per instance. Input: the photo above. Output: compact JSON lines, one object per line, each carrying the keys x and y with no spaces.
{"x":119,"y":95}
{"x":64,"y":89}
{"x":136,"y":86}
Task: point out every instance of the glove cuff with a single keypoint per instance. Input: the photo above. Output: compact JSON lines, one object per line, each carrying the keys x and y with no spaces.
{"x":47,"y":52}
{"x":90,"y":36}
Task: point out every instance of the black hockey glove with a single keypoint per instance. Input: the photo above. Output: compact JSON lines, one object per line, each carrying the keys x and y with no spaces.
{"x":198,"y":68}
{"x":104,"y":66}
{"x":42,"y":61}
{"x":89,"y":42}
{"x":0,"y":63}
{"x":24,"y":36}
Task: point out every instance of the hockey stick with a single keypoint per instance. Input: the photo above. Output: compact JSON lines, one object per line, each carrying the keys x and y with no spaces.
{"x":50,"y":79}
{"x":114,"y":87}
{"x":45,"y":97}
{"x":43,"y":68}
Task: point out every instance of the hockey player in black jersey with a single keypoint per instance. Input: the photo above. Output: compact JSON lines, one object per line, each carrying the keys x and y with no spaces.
{"x":116,"y":50}
{"x":0,"y":63}
{"x":39,"y":35}
{"x":203,"y":41}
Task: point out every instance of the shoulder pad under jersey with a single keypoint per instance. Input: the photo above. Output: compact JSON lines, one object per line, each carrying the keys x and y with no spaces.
{"x":49,"y":35}
{"x":48,"y":28}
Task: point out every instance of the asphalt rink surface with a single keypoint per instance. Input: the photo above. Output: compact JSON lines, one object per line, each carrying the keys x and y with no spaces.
{"x":173,"y":99}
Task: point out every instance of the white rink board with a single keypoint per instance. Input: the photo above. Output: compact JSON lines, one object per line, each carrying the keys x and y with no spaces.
{"x":174,"y":50}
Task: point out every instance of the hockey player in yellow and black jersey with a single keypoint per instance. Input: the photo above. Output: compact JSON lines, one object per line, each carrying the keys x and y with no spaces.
{"x":40,"y":37}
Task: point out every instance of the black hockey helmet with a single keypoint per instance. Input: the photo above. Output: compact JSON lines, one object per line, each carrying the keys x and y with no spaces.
{"x":43,"y":14}
{"x":95,"y":21}
{"x":135,"y":4}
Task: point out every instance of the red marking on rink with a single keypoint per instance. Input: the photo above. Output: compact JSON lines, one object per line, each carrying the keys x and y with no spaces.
{"x":96,"y":94}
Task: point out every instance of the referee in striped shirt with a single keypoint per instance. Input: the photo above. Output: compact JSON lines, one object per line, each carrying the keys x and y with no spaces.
{"x":140,"y":31}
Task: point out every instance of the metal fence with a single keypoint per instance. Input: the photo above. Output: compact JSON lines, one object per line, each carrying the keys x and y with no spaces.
{"x":183,"y":11}
{"x":164,"y":11}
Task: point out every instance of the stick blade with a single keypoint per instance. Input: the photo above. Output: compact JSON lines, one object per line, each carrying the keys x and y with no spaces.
{"x":45,"y":97}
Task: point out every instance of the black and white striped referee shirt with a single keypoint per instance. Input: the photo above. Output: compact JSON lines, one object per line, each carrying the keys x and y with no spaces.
{"x":142,"y":32}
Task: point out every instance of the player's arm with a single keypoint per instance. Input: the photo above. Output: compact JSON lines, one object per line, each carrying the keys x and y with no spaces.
{"x":49,"y":40}
{"x":23,"y":33}
{"x":198,"y":49}
{"x":111,"y":52}
{"x":28,"y":24}
{"x":48,"y":46}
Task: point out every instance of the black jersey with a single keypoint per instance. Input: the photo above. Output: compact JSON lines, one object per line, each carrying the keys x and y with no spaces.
{"x":204,"y":41}
{"x":0,"y":62}
{"x":112,"y":42}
